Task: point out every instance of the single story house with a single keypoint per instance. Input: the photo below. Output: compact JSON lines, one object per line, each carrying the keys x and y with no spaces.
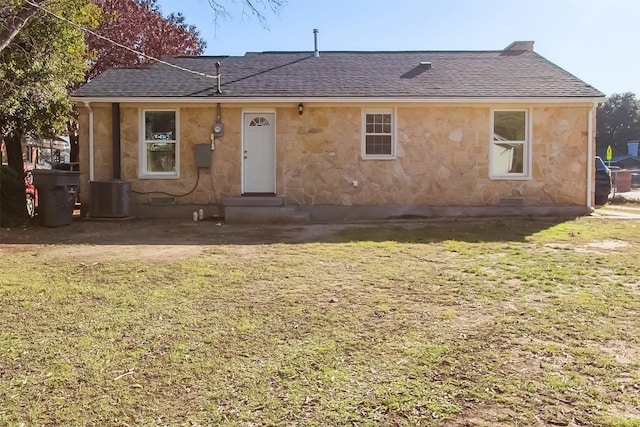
{"x":631,"y":160}
{"x":42,"y":152}
{"x":299,"y":136}
{"x":626,"y":162}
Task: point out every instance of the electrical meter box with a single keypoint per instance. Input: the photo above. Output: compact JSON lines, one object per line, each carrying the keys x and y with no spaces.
{"x":203,"y":155}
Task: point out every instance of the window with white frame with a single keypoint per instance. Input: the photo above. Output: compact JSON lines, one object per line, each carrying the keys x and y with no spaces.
{"x":160,"y":147}
{"x":378,"y":140}
{"x":510,"y":149}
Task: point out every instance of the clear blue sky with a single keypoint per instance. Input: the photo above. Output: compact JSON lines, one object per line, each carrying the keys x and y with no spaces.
{"x":596,"y":40}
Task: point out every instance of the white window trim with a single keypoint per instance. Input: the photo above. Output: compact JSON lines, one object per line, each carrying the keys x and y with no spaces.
{"x":142,"y":148}
{"x":393,"y":112}
{"x":527,"y":152}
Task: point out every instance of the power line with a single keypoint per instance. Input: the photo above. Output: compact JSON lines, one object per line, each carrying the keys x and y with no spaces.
{"x":137,"y":52}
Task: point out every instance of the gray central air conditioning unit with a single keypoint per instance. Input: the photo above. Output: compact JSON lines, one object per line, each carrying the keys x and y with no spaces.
{"x":110,"y":198}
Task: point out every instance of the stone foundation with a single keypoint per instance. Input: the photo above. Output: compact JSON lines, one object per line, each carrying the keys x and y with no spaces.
{"x":334,"y":213}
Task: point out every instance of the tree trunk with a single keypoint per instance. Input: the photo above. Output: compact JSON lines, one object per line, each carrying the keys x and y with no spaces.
{"x":72,"y":130}
{"x":15,"y":161}
{"x":14,"y":151}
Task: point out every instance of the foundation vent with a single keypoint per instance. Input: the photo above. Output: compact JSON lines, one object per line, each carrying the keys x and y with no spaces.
{"x":163,"y":201}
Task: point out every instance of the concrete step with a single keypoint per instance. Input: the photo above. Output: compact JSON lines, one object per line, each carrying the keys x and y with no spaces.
{"x":253,"y":201}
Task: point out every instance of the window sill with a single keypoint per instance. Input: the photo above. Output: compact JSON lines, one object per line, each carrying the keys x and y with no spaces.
{"x":378,"y":157}
{"x":159,"y":177}
{"x":511,"y":178}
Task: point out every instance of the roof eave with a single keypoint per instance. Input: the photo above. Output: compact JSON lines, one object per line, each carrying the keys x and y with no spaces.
{"x":362,"y":100}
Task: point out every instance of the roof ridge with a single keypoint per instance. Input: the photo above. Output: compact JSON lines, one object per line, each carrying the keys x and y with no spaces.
{"x":200,"y":56}
{"x":371,"y":51}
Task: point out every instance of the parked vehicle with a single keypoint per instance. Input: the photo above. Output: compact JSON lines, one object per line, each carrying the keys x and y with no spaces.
{"x":603,"y":182}
{"x":31,"y":194}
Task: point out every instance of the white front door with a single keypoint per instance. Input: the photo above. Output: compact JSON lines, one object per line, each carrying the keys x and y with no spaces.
{"x":259,"y":153}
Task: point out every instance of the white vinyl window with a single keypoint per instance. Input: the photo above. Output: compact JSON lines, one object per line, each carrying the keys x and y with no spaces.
{"x":160,"y":148}
{"x":378,"y":136}
{"x":510,"y":144}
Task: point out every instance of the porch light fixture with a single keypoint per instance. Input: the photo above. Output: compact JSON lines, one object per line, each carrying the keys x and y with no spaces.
{"x":300,"y":108}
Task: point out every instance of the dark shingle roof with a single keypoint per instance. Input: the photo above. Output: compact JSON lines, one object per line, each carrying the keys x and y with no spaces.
{"x":477,"y":74}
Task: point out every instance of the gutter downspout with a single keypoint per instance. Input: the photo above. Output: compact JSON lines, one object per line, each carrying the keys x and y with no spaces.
{"x":590,"y":156}
{"x":87,"y":104}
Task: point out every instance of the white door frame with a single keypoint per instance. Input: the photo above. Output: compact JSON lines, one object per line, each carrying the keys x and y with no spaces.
{"x":243,"y":144}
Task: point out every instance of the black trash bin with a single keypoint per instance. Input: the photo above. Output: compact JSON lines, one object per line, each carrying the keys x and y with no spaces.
{"x":57,"y":191}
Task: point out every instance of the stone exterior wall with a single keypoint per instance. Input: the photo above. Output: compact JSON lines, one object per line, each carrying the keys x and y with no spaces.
{"x":195,"y":127}
{"x":442,"y":156}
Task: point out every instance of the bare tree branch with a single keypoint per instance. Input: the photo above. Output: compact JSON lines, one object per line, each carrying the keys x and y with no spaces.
{"x":255,"y":8}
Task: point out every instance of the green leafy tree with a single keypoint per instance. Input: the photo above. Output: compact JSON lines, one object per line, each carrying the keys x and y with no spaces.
{"x":46,"y":57}
{"x":618,"y":121}
{"x":14,"y":15}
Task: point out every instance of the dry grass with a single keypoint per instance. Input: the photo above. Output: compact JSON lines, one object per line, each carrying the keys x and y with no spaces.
{"x":438,"y":323}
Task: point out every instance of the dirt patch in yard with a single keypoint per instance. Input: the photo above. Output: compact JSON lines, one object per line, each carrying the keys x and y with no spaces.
{"x":166,"y":239}
{"x":608,"y":244}
{"x":163,"y":232}
{"x":154,"y":239}
{"x":98,"y":253}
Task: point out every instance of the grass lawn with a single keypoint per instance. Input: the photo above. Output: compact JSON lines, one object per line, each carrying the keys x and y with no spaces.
{"x":408,"y":324}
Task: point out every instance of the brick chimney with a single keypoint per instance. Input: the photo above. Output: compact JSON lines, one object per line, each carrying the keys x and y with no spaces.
{"x":521,"y":45}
